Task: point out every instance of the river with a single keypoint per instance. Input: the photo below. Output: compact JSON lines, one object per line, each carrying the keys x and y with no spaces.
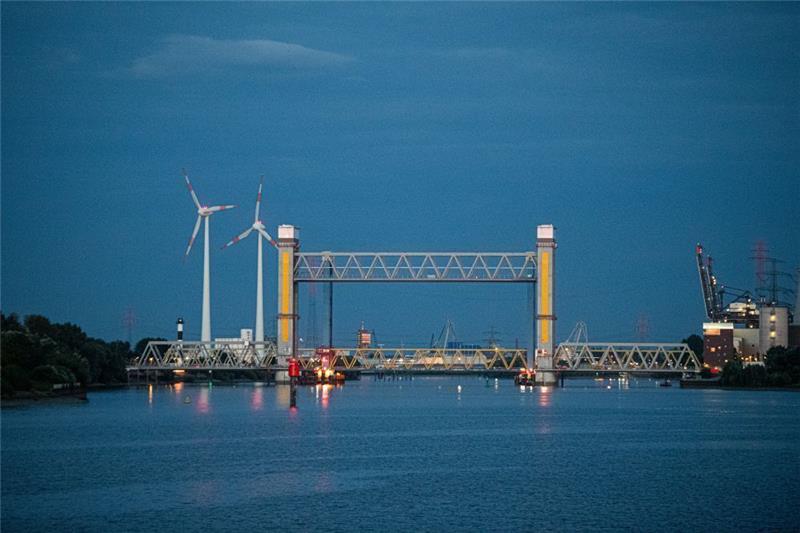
{"x":428,"y":454}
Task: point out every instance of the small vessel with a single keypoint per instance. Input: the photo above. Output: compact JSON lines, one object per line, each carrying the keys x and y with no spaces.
{"x":665,"y":383}
{"x":525,"y":377}
{"x":187,"y":399}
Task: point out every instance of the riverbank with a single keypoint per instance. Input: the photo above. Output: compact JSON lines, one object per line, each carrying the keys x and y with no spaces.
{"x":717,"y":384}
{"x":23,"y":398}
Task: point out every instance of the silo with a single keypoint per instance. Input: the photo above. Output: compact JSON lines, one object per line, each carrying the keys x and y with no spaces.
{"x":773,"y":327}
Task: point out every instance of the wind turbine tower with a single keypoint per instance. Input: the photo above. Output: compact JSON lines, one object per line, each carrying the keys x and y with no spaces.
{"x":259,"y":228}
{"x":204,"y":214}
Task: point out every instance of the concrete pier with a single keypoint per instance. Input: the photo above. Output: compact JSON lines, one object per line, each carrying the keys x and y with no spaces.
{"x":545,"y":373}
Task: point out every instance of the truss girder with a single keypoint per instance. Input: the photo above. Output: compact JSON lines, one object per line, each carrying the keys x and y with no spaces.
{"x":626,"y":357}
{"x":614,"y":357}
{"x":425,"y":359}
{"x":418,"y":266}
{"x":181,"y":355}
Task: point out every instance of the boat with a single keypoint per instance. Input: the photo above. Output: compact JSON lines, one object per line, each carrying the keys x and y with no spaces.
{"x":525,"y":377}
{"x":665,"y":383}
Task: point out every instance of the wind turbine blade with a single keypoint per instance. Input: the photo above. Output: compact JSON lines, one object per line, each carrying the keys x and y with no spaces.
{"x":238,"y":238}
{"x":258,"y":198}
{"x":268,"y":237}
{"x":194,"y":235}
{"x":216,"y":208}
{"x":191,"y":190}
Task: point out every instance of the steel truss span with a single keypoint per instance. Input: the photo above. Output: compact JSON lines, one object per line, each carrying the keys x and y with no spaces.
{"x":421,"y":266}
{"x":625,"y":357}
{"x":424,"y":359}
{"x":180,"y":355}
{"x":569,"y":357}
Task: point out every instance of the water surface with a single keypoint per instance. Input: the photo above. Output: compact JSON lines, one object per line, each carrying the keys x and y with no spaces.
{"x":431,"y":453}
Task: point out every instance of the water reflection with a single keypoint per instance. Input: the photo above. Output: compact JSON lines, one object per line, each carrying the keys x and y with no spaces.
{"x":203,"y":405}
{"x":282,"y":395}
{"x":150,"y":394}
{"x":544,"y":396}
{"x":322,"y":394}
{"x":257,"y":399}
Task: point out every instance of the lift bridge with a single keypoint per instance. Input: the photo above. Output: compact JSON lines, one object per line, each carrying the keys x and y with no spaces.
{"x":537,"y":267}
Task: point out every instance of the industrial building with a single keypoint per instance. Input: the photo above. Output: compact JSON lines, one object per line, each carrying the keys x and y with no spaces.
{"x":746,"y":327}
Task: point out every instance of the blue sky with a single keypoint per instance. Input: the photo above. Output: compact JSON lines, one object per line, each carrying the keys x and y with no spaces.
{"x":637,"y":129}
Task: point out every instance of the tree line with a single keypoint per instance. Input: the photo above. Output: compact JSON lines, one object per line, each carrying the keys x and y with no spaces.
{"x":35,"y":354}
{"x":781,"y":368}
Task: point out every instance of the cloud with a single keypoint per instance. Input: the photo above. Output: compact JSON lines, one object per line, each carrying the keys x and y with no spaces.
{"x":189,"y":54}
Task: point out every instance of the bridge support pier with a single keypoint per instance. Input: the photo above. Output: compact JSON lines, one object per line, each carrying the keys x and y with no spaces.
{"x":545,"y":373}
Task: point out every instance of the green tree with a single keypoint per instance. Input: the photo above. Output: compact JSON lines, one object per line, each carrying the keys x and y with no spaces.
{"x":733,"y":374}
{"x":10,"y":323}
{"x":38,"y":325}
{"x":695,"y":343}
{"x":142,"y":344}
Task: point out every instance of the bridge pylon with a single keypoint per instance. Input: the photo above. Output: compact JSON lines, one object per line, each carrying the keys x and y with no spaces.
{"x":545,"y":303}
{"x":288,"y":244}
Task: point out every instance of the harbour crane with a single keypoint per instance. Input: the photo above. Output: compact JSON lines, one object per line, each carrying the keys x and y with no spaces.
{"x":740,"y":310}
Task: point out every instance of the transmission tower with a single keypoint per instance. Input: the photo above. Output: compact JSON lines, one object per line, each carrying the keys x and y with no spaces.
{"x":492,"y":341}
{"x":642,"y":328}
{"x":129,"y":322}
{"x":760,"y":255}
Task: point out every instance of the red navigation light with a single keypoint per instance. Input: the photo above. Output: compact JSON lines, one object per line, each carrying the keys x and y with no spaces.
{"x":294,"y":368}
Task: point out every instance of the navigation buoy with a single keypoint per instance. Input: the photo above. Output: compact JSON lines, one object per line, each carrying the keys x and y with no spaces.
{"x":187,"y":399}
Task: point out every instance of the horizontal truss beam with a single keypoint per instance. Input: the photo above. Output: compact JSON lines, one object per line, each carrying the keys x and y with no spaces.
{"x":625,"y":357}
{"x":417,"y":266}
{"x":569,"y":357}
{"x":425,"y":359}
{"x":182,"y":355}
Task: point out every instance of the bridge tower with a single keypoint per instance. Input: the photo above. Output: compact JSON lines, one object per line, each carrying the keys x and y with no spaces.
{"x":545,"y":304}
{"x":288,"y":244}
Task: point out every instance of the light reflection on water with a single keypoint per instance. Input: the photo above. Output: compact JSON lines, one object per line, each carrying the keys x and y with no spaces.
{"x":257,"y":398}
{"x":544,"y":395}
{"x":238,"y":457}
{"x":204,"y":400}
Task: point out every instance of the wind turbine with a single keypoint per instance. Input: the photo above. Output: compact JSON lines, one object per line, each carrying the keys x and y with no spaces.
{"x":259,"y":228}
{"x":203,"y":213}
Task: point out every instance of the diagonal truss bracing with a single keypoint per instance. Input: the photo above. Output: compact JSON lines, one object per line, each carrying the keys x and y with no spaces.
{"x":424,"y":359}
{"x":625,"y":357}
{"x":180,"y":355}
{"x":418,"y":266}
{"x":569,"y":357}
